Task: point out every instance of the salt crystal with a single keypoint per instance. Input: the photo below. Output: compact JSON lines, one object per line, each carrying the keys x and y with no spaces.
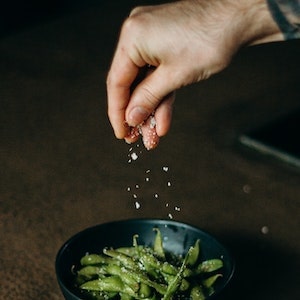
{"x":147,"y":179}
{"x":128,"y":189}
{"x":137,"y":205}
{"x":166,"y":169}
{"x":247,"y":188}
{"x":169,"y":183}
{"x":148,"y":171}
{"x":170,"y":216}
{"x":264,"y":230}
{"x":152,"y":122}
{"x":136,"y":186}
{"x":134,"y":156}
{"x":134,"y":196}
{"x":156,"y":195}
{"x":177,"y":208}
{"x":167,"y":204}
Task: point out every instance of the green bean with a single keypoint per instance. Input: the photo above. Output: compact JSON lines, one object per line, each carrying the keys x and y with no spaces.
{"x":124,"y":296}
{"x":176,"y":282}
{"x":209,"y":282}
{"x":147,"y":273}
{"x":209,"y":265}
{"x":98,"y":295}
{"x":184,"y":286}
{"x":109,"y":284}
{"x":128,"y":262}
{"x":149,"y":260}
{"x":197,"y":293}
{"x":124,"y":274}
{"x":94,"y":259}
{"x":91,"y":271}
{"x":194,"y":253}
{"x":145,"y":290}
{"x":143,"y":278}
{"x":158,"y":244}
{"x":121,"y":257}
{"x":129,"y":251}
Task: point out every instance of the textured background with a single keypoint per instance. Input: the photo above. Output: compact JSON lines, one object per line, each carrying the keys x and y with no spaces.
{"x":62,"y":170}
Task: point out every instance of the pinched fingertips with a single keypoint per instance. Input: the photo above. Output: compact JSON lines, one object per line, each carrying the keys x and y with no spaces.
{"x":149,"y":134}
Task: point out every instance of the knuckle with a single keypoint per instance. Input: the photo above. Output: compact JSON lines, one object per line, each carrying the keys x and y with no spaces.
{"x":151,"y":99}
{"x":136,"y":11}
{"x":137,"y":19}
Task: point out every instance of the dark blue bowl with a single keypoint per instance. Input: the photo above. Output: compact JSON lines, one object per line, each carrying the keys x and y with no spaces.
{"x":178,"y":237}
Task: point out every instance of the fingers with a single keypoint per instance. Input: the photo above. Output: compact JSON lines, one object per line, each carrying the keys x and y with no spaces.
{"x":163,"y":115}
{"x":149,"y":94}
{"x":149,"y":135}
{"x":133,"y":135}
{"x":119,"y":81}
{"x":157,"y":125}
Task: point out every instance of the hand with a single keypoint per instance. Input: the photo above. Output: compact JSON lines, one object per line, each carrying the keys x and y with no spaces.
{"x":185,"y":42}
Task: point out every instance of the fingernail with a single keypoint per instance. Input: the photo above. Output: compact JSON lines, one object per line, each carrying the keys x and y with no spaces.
{"x":137,"y":115}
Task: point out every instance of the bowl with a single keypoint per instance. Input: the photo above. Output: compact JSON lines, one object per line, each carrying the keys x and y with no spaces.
{"x":177,"y":238}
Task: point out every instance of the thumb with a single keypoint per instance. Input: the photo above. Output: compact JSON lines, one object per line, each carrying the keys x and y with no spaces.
{"x":148,"y":95}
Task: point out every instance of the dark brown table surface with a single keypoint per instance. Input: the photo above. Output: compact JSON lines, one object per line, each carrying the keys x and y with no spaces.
{"x":62,"y":170}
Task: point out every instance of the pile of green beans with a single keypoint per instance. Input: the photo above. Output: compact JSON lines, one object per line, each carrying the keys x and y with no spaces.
{"x":144,"y":272}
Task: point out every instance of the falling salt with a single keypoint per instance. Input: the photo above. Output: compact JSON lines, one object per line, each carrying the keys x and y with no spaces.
{"x":247,"y":188}
{"x":134,"y":156}
{"x":167,"y":204}
{"x":166,"y":169}
{"x":147,"y":179}
{"x":147,"y":171}
{"x":128,"y":189}
{"x":265,"y":230}
{"x":134,"y":196}
{"x":156,"y":195}
{"x":137,"y":186}
{"x":170,"y":216}
{"x":169,"y":183}
{"x":177,"y":208}
{"x":137,"y":205}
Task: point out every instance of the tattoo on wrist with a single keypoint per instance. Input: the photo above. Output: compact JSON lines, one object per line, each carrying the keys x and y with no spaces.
{"x":286,"y":13}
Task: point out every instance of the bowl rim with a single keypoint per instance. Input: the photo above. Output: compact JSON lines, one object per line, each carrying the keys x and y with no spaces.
{"x":158,"y":221}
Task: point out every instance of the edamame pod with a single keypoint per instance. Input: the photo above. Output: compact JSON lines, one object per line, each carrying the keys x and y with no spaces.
{"x":147,"y":273}
{"x":197,"y":293}
{"x":109,"y":284}
{"x":194,"y":253}
{"x":158,"y":244}
{"x":124,"y":274}
{"x":94,"y":259}
{"x":210,"y":265}
{"x":91,"y":271}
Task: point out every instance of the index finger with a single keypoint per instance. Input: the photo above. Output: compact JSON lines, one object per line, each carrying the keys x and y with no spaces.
{"x":122,"y":74}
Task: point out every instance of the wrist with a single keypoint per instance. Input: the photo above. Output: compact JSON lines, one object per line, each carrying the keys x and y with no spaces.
{"x":257,"y":23}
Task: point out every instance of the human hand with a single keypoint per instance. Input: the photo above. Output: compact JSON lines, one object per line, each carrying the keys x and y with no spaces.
{"x":184,"y":42}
